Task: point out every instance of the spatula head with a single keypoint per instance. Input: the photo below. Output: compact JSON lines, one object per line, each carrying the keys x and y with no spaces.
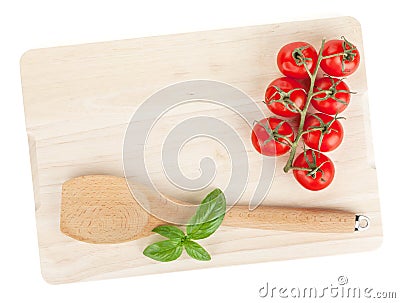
{"x":101,"y":209}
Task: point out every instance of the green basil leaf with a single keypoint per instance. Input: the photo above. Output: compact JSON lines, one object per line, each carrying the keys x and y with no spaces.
{"x":208,"y":216}
{"x":164,"y":251}
{"x":169,"y":231}
{"x":202,"y":231}
{"x":196,"y":251}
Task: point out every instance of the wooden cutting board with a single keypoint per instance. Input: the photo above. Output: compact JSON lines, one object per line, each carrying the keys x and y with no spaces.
{"x":78,"y":102}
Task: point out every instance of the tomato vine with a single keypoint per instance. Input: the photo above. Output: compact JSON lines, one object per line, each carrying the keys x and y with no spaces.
{"x":329,"y":94}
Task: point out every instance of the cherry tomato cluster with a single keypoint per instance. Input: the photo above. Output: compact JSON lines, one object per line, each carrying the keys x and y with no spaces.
{"x":290,"y":96}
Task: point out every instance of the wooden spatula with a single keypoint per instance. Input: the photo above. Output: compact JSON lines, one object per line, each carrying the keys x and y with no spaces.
{"x":101,"y":209}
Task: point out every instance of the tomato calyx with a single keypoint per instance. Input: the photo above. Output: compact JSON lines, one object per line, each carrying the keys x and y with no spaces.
{"x":331,"y":92}
{"x":349,"y":54}
{"x":299,"y":57}
{"x":274,"y":133}
{"x":324,"y":128}
{"x":348,"y":49}
{"x":284,"y":99}
{"x":313,"y":168}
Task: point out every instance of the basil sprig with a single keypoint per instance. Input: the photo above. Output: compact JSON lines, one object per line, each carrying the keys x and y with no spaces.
{"x":204,"y":223}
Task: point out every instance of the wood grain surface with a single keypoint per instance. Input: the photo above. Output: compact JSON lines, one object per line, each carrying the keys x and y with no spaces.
{"x":79,"y":99}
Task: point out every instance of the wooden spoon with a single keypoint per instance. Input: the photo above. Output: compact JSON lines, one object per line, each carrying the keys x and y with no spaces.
{"x":101,"y":209}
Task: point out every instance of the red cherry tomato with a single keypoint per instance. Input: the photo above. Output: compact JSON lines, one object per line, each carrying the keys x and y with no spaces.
{"x":293,"y":57}
{"x":344,"y":64}
{"x":328,"y":133}
{"x":317,"y":170}
{"x":283,"y":95}
{"x":270,"y":136}
{"x":335,"y":98}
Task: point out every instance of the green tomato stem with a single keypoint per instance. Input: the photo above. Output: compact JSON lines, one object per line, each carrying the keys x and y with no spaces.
{"x":303,"y":113}
{"x":334,"y":55}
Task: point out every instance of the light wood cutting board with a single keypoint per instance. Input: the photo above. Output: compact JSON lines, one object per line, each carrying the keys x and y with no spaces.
{"x":79,"y":99}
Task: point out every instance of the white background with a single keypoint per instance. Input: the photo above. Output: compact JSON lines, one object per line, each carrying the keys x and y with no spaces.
{"x":33,"y":24}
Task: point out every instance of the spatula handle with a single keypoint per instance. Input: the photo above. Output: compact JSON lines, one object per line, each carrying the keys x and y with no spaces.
{"x":291,"y":219}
